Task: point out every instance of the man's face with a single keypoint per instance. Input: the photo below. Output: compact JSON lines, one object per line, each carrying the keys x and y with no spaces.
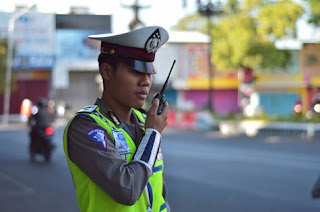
{"x":129,"y":88}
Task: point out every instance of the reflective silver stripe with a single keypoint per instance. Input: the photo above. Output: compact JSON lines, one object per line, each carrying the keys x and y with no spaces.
{"x":148,"y":199}
{"x":148,"y":148}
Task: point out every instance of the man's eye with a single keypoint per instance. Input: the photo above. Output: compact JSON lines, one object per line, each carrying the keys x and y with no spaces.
{"x":134,"y":71}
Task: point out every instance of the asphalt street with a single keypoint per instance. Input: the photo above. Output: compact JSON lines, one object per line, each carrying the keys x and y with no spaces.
{"x":204,"y":171}
{"x":208,"y":172}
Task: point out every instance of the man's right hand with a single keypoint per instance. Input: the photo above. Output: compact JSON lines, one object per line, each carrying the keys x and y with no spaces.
{"x":154,"y":121}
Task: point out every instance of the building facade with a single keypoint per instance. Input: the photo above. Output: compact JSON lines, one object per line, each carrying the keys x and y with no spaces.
{"x":191,"y":81}
{"x":76,"y":80}
{"x":34,"y":45}
{"x":55,"y":59}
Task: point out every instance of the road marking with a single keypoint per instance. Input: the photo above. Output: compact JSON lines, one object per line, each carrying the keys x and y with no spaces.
{"x":22,"y":188}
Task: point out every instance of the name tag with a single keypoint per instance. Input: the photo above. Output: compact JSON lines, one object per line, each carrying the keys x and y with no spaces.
{"x":121,"y":143}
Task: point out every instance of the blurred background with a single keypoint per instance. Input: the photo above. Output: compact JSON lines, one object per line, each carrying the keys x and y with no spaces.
{"x":247,"y":70}
{"x":234,"y":58}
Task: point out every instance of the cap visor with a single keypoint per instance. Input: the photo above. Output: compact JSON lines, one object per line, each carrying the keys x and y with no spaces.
{"x":143,"y":67}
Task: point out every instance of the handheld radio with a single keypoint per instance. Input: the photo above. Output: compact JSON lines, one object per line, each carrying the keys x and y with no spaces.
{"x":161,"y":95}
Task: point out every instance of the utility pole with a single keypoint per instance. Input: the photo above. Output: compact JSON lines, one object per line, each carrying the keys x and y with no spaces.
{"x":136,"y":22}
{"x":209,"y":10}
{"x":7,"y":91}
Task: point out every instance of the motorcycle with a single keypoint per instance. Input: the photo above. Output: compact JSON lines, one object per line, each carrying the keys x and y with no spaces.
{"x":40,"y":131}
{"x":41,"y":143}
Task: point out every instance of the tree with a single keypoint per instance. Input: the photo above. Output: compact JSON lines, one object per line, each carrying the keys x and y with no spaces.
{"x":3,"y":65}
{"x":314,"y":7}
{"x":3,"y":57}
{"x":244,"y":36}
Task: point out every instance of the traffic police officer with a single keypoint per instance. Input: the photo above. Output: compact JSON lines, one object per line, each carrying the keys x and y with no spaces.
{"x":113,"y":147}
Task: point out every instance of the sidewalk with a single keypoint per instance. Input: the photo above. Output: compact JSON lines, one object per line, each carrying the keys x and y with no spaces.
{"x":202,"y":123}
{"x":14,"y":123}
{"x":254,"y":127}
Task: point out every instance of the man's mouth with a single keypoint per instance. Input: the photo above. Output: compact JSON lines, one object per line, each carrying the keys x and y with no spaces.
{"x":142,"y":95}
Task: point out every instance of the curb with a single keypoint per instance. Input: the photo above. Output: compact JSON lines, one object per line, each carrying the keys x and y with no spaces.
{"x":252,"y":128}
{"x":23,"y":125}
{"x":13,"y":126}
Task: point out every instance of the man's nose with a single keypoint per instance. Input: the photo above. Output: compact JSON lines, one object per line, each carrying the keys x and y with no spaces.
{"x":146,"y":79}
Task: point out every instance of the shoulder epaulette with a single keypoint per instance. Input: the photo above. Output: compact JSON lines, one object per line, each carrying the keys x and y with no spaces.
{"x":88,"y":109}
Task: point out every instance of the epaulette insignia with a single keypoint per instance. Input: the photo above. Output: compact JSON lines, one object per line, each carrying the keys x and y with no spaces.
{"x":114,"y":118}
{"x":88,"y":109}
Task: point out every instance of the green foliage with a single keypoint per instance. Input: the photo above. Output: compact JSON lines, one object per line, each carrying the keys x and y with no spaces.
{"x":295,"y":118}
{"x":233,"y":38}
{"x":299,"y":118}
{"x":244,"y":35}
{"x":314,"y":7}
{"x":278,"y":20}
{"x":232,"y":6}
{"x":228,"y":116}
{"x":3,"y":57}
{"x":250,"y":5}
{"x":3,"y":62}
{"x":271,"y":57}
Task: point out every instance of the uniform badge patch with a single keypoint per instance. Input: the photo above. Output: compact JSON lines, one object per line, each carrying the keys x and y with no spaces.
{"x":121,"y":143}
{"x":99,"y":136}
{"x":153,"y":43}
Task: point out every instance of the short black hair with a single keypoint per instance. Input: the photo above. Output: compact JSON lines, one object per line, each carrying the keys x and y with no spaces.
{"x":113,"y":60}
{"x":110,"y":59}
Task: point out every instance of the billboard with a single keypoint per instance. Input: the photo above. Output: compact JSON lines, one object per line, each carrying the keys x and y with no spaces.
{"x":34,"y":39}
{"x":74,"y":51}
{"x":74,"y":45}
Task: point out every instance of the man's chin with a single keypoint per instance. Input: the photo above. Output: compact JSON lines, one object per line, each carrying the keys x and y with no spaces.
{"x":139,"y":104}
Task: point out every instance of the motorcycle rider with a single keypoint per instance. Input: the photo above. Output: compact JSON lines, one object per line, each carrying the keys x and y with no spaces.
{"x":40,"y":123}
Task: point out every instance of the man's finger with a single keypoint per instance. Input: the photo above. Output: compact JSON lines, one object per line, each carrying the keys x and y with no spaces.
{"x":155,"y":105}
{"x":155,"y":101}
{"x":166,"y":107}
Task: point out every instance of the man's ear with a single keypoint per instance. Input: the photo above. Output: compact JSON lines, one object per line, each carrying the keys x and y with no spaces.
{"x":106,"y":71}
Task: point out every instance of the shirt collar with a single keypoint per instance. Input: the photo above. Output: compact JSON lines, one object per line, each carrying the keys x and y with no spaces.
{"x":106,"y":111}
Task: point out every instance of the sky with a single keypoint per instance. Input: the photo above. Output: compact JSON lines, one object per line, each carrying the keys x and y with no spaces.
{"x":165,"y":13}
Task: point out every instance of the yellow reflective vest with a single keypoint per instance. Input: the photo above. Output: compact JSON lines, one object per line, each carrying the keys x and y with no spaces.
{"x":91,"y":198}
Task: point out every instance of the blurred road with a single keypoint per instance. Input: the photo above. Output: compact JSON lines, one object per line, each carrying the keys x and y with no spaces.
{"x":203,"y":172}
{"x":208,"y":172}
{"x":33,"y":187}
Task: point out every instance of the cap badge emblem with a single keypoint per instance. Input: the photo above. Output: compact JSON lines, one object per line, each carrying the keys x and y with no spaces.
{"x":153,"y":43}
